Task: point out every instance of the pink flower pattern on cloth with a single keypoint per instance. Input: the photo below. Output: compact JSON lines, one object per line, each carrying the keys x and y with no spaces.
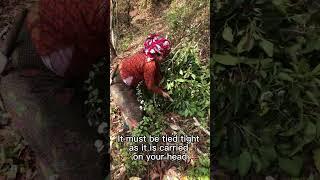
{"x":156,"y":44}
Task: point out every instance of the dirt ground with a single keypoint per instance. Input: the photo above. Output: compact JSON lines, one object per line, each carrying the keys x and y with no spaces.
{"x":17,"y":161}
{"x":8,"y":10}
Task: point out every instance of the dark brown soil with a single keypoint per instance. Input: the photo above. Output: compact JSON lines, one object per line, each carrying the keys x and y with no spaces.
{"x":17,"y":159}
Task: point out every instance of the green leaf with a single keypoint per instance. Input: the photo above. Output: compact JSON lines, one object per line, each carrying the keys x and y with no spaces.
{"x":244,"y":163}
{"x":91,"y":74}
{"x":20,"y":108}
{"x":316,"y":80}
{"x":180,"y":80}
{"x":235,"y":139}
{"x":291,"y":166}
{"x":263,"y":74}
{"x":257,"y":83}
{"x":312,"y":97}
{"x":226,"y":59}
{"x":301,"y":18}
{"x":293,"y":130}
{"x":318,"y":127}
{"x":227,"y":34}
{"x":228,"y":163}
{"x":95,"y":92}
{"x":268,"y":152}
{"x":267,"y":46}
{"x":316,"y":158}
{"x":245,"y":44}
{"x":237,"y":98}
{"x":204,"y":160}
{"x":316,"y":70}
{"x":311,"y":45}
{"x":266,"y":63}
{"x":257,"y":161}
{"x":311,"y":177}
{"x":281,"y":5}
{"x":285,"y":77}
{"x":264,"y":108}
{"x":250,"y":61}
{"x":293,"y":50}
{"x":310,"y":132}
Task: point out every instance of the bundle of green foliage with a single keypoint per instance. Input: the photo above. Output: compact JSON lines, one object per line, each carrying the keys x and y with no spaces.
{"x":96,"y":104}
{"x":266,"y":74}
{"x":187,"y":81}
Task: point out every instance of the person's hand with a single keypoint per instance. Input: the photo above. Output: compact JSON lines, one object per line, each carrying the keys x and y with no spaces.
{"x":166,"y":95}
{"x":132,"y":123}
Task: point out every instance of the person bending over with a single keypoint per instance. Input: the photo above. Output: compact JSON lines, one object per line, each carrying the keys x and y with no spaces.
{"x":141,"y":66}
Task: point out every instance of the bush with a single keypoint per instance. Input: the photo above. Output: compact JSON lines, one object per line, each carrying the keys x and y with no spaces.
{"x":201,"y":171}
{"x":266,"y":72}
{"x":187,"y":81}
{"x":95,"y":89}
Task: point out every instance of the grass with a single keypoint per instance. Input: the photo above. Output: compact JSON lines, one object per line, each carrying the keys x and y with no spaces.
{"x":189,"y":20}
{"x":124,"y":43}
{"x":201,"y":170}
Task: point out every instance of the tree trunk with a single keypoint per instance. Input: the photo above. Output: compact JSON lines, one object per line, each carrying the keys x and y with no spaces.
{"x":125,"y":97}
